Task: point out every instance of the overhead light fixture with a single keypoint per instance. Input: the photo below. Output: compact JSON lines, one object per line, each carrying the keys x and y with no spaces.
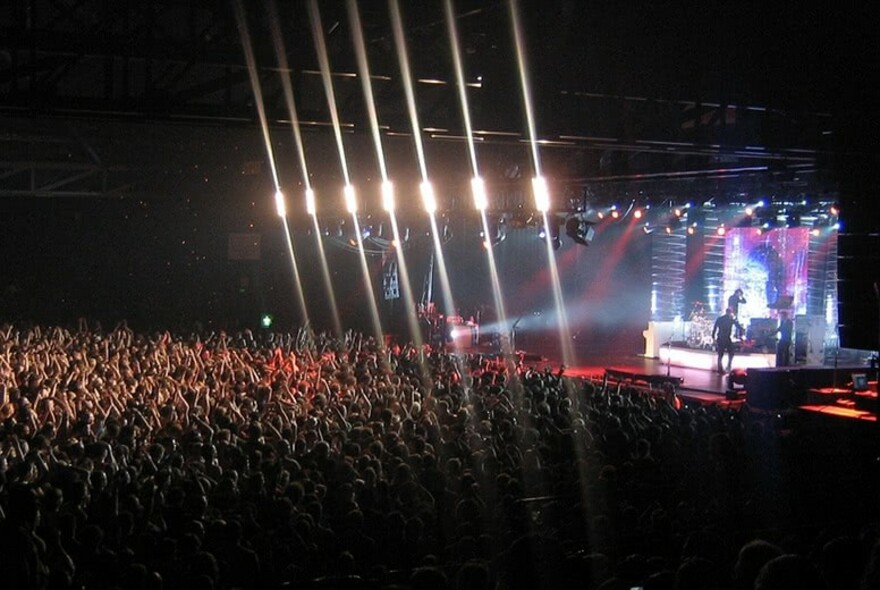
{"x":497,"y":233}
{"x":580,"y":230}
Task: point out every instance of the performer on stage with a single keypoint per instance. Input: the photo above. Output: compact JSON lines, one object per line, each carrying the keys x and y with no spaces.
{"x":783,"y":347}
{"x":734,"y":300}
{"x":723,"y":334}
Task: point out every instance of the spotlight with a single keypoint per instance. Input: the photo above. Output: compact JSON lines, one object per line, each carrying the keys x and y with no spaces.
{"x":310,"y":201}
{"x":478,"y":187}
{"x":692,"y":229}
{"x":721,"y":230}
{"x":280,"y":207}
{"x":816,"y":232}
{"x":266,"y":320}
{"x":388,"y":196}
{"x":615,"y":214}
{"x":497,"y":234}
{"x":350,"y":198}
{"x":428,"y":198}
{"x":542,"y":194}
{"x":579,"y":230}
{"x":637,"y":213}
{"x":767,"y":217}
{"x":834,"y":210}
{"x":550,"y":231}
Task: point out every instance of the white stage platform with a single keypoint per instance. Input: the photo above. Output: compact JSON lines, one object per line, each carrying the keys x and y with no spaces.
{"x":708,"y":359}
{"x":659,"y":334}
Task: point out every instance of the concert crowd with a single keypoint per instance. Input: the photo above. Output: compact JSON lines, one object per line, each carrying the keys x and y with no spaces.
{"x":300,"y":460}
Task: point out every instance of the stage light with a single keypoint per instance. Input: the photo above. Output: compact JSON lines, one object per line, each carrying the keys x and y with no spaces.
{"x":542,"y":232}
{"x":478,"y":188}
{"x":615,"y":214}
{"x":637,"y":213}
{"x":350,"y":198}
{"x":692,"y":229}
{"x":816,"y":232}
{"x":266,"y":320}
{"x":600,"y":214}
{"x":834,"y":210}
{"x":678,"y":212}
{"x":280,"y":207}
{"x":311,"y":209}
{"x":542,"y":194}
{"x":388,"y":196}
{"x":579,"y":230}
{"x":721,"y":230}
{"x":497,"y":233}
{"x":428,"y":199}
{"x":366,"y":231}
{"x":750,"y":211}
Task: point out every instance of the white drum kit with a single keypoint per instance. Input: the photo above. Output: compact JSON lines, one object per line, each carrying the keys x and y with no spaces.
{"x":700,"y":328}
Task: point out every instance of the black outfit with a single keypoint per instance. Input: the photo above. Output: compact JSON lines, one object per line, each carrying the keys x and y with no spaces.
{"x":783,"y":347}
{"x":722,"y":332}
{"x":733,"y":303}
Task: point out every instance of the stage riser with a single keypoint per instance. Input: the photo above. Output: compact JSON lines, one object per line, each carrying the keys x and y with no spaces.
{"x":780,"y":388}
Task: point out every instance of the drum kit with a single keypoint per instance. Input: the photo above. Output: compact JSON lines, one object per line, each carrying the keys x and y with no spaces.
{"x":700,"y":330}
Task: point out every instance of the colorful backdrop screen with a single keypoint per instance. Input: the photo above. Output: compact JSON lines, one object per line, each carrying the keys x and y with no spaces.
{"x":767,"y":266}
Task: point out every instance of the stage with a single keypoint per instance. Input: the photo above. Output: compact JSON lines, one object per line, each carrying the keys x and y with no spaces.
{"x":697,"y":385}
{"x":815,"y":390}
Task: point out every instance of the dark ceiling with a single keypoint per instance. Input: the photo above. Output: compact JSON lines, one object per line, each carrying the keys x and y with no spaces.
{"x":107,"y":98}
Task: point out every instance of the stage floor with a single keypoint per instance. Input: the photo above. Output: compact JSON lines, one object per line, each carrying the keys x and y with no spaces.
{"x":697,"y":384}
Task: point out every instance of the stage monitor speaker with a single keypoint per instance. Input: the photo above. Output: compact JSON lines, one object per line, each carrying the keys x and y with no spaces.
{"x":771,"y":389}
